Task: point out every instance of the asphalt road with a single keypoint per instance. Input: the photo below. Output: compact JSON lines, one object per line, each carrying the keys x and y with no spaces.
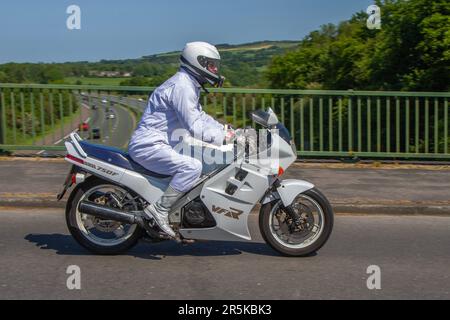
{"x":412,"y":252}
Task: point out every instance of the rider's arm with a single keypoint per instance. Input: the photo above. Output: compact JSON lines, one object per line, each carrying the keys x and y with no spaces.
{"x":186,"y":104}
{"x":210,"y":121}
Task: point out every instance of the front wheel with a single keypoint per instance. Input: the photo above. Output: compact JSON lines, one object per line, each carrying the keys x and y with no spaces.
{"x":306,"y":236}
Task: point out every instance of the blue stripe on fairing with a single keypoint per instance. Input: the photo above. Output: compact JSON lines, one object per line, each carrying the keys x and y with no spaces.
{"x":116,"y":157}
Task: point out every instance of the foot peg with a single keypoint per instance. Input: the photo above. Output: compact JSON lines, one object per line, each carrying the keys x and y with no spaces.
{"x":151,"y":227}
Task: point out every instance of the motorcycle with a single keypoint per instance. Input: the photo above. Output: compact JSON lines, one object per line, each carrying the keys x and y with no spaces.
{"x":104,"y":212}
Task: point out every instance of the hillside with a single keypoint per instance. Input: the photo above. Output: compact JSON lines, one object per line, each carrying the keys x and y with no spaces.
{"x":253,"y":46}
{"x":243,"y":65}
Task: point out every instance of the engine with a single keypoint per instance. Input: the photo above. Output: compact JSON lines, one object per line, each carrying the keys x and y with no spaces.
{"x":196,"y":215}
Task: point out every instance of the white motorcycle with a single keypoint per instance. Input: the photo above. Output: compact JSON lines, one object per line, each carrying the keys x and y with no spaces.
{"x":105,"y":210}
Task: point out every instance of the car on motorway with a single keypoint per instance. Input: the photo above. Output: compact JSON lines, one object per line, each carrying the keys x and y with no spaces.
{"x":95,"y":134}
{"x":110,"y":116}
{"x":84,"y":127}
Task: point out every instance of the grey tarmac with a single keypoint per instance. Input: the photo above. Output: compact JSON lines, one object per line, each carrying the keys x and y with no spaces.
{"x":413,"y":253}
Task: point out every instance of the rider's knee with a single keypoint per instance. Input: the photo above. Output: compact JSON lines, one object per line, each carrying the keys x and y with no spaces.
{"x":195,"y":167}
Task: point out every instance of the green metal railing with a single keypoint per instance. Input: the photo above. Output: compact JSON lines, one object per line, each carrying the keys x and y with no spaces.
{"x":323,"y":123}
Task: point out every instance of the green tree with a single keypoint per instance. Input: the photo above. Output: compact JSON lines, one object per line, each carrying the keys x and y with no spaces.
{"x":3,"y":77}
{"x":51,"y":74}
{"x":410,"y":52}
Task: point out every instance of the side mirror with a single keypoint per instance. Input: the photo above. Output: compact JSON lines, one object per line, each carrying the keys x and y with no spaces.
{"x":273,"y":119}
{"x":265,"y":118}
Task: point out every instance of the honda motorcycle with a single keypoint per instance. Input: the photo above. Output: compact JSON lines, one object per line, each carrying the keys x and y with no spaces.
{"x":104,"y":212}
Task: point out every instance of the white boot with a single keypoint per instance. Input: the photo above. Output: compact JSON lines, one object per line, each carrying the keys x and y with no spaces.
{"x":160,"y":210}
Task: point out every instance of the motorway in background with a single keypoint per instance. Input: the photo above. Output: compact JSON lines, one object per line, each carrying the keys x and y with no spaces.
{"x":107,"y":120}
{"x":113,"y":121}
{"x":138,"y":104}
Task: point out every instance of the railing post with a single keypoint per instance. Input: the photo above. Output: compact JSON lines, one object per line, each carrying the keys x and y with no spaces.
{"x":446,"y":126}
{"x":253,"y":108}
{"x":330,"y":125}
{"x":350,"y":124}
{"x":22,"y":110}
{"x":397,"y":124}
{"x":2,"y":118}
{"x":13,"y":116}
{"x":388,"y":124}
{"x":311,"y":124}
{"x":33,"y":124}
{"x":302,"y":125}
{"x":407,"y":125}
{"x":378,"y":125}
{"x":436,"y":126}
{"x":225,"y":98}
{"x":291,"y":113}
{"x":244,"y":111}
{"x":427,"y":126}
{"x":340,"y":126}
{"x":234,"y":111}
{"x":359,"y":126}
{"x":41,"y":104}
{"x":369,"y":124}
{"x":321,"y":124}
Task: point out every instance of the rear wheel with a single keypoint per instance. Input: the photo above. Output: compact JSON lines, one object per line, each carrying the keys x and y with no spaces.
{"x":104,"y":237}
{"x":304,"y":238}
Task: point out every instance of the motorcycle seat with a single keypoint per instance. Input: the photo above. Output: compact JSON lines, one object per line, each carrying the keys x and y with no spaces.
{"x":117,"y":157}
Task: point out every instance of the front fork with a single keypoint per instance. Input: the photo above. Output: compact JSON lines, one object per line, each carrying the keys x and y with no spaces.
{"x":291,"y":212}
{"x":287,"y":191}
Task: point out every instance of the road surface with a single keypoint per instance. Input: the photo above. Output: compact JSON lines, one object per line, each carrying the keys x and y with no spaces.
{"x":412,"y":252}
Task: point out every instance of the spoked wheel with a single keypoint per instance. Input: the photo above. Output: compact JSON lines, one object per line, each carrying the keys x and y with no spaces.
{"x":302,"y":236}
{"x":99,"y":236}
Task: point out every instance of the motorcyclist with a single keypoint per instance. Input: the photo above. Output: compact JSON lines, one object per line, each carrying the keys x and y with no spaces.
{"x":173,"y":106}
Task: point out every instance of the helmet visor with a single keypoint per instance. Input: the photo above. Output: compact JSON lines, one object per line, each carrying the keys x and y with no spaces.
{"x":212,"y":65}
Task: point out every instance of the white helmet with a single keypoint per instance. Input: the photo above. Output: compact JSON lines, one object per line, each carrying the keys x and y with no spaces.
{"x":203,"y":60}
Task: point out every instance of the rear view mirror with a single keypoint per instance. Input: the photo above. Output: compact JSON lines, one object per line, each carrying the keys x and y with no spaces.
{"x":265,"y":118}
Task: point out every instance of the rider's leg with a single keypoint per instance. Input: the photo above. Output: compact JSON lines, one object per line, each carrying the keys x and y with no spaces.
{"x":185,"y":171}
{"x":160,"y":210}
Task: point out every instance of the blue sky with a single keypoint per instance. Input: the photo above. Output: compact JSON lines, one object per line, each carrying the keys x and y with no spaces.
{"x":35,"y":31}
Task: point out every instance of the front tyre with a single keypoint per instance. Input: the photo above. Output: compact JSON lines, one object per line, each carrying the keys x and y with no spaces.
{"x":302,"y":237}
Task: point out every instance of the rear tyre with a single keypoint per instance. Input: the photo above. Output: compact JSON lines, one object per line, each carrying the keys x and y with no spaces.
{"x":102,"y":237}
{"x":279,"y":231}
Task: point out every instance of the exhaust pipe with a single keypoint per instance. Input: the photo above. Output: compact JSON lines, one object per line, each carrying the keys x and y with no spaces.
{"x":106,"y":213}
